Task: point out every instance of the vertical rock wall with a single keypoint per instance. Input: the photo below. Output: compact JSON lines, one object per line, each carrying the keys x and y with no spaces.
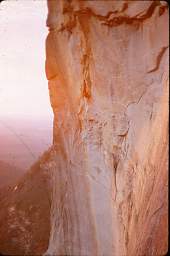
{"x":107,"y":67}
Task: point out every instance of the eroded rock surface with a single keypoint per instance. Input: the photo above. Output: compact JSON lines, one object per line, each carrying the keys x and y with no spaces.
{"x":107,"y":66}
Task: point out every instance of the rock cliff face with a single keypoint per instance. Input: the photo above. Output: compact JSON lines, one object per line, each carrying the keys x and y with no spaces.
{"x":107,"y":66}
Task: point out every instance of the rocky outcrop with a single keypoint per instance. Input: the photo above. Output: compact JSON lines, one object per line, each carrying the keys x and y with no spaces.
{"x":107,"y":66}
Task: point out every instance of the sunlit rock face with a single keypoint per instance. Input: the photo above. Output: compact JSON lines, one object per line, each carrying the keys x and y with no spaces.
{"x":107,"y":66}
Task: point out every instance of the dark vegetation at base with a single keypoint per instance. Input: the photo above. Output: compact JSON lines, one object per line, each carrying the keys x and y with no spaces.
{"x":25,"y":212}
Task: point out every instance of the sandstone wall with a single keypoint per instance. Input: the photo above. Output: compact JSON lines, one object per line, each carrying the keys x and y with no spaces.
{"x":107,"y":67}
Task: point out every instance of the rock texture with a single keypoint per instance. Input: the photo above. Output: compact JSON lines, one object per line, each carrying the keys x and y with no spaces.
{"x":107,"y":66}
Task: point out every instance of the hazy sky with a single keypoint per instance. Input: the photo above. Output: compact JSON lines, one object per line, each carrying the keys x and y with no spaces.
{"x":23,"y":85}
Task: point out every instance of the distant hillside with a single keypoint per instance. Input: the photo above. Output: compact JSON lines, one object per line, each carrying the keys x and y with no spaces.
{"x":23,"y":141}
{"x":9,"y":174}
{"x":25,"y":213}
